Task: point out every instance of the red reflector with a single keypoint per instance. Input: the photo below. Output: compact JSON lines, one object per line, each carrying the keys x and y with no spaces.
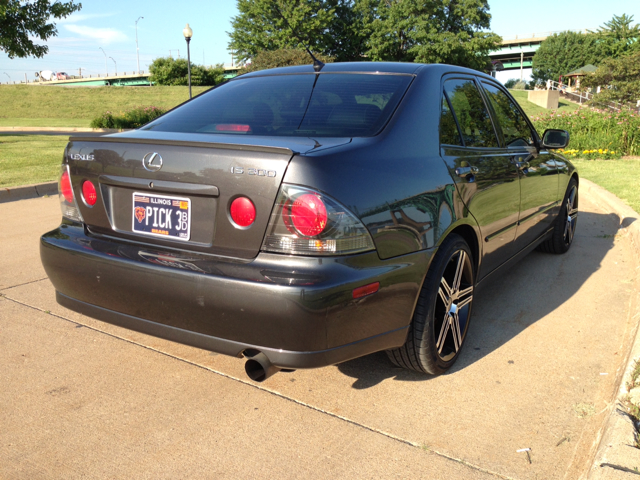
{"x":65,"y":187}
{"x":366,"y":290}
{"x":232,"y":127}
{"x":89,"y":193}
{"x":243,"y":211}
{"x":309,"y":214}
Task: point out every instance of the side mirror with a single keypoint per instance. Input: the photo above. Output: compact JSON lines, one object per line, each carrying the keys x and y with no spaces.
{"x":553,"y":138}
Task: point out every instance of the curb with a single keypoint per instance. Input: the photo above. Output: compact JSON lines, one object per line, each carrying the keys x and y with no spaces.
{"x":60,"y":129}
{"x":629,"y":218}
{"x":615,"y":457}
{"x":11,"y":194}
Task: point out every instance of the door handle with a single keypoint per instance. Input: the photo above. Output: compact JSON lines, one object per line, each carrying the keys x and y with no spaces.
{"x":520,"y":161}
{"x":464,"y":172}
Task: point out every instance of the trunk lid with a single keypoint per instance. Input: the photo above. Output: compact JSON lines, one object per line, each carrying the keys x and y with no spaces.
{"x":198,"y":175}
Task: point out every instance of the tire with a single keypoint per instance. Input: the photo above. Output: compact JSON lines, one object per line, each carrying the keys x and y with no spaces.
{"x":565,"y":224}
{"x":441,"y":319}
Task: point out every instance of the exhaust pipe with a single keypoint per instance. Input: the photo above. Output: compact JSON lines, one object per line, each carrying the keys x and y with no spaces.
{"x":259,"y":368}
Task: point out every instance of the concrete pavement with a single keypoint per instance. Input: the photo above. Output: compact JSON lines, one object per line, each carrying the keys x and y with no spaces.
{"x":542,"y":364}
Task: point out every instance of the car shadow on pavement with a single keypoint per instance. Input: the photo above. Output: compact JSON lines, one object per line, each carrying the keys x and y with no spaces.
{"x":512,"y":300}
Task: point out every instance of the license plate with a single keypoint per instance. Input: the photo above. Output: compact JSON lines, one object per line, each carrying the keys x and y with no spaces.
{"x":162,"y":216}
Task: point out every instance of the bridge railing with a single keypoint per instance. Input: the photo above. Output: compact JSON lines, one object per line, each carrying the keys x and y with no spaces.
{"x":527,"y":36}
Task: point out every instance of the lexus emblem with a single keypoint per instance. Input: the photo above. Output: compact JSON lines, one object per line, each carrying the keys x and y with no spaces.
{"x":152,"y":161}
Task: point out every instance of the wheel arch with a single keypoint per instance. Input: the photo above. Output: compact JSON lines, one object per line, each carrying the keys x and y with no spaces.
{"x":470,"y":236}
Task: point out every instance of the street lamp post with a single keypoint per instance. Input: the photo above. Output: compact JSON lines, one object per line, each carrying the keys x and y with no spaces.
{"x":7,"y":75}
{"x":137,"y":49}
{"x":116,"y":65}
{"x":188,"y":33}
{"x":105,"y":61}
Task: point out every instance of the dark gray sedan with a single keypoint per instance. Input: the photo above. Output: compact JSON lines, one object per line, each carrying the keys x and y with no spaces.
{"x":302,"y":218}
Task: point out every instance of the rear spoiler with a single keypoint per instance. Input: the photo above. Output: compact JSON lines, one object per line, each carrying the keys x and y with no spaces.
{"x":187,"y":143}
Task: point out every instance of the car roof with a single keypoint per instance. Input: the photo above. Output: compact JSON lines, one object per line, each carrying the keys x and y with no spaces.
{"x":365,"y":67}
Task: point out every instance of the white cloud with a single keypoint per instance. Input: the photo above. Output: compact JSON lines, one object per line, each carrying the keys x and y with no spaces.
{"x":81,"y":17}
{"x":105,"y":35}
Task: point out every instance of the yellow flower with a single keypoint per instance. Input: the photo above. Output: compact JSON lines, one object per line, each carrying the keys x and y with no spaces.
{"x":599,"y":150}
{"x":586,"y":152}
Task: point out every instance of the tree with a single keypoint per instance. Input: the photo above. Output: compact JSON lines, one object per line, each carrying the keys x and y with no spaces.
{"x":169,"y":71}
{"x":619,"y":79}
{"x":563,"y":52}
{"x":283,"y":57}
{"x":20,"y":20}
{"x":325,"y":26}
{"x":431,"y":31}
{"x":618,"y":37}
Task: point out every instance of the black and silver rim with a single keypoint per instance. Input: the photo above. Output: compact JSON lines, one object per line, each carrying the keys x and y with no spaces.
{"x":453,"y":305}
{"x":572,"y":216}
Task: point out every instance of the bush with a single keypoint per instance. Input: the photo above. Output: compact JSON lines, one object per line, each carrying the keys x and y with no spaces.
{"x":511,"y":83}
{"x":171,"y":71}
{"x":594,"y":130}
{"x":134,"y":118}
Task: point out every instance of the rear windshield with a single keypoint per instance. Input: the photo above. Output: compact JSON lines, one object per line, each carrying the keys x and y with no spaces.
{"x":324,"y":105}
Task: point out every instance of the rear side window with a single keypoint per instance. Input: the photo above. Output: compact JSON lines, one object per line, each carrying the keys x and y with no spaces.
{"x":449,"y":133}
{"x":469,"y":108}
{"x":324,"y":105}
{"x":514,"y":127}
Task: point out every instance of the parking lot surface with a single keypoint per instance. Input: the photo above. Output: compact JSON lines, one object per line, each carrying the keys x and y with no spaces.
{"x":540,"y":370}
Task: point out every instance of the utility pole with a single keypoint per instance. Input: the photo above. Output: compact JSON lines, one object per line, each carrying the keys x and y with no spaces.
{"x":137,"y":49}
{"x":80,"y":72}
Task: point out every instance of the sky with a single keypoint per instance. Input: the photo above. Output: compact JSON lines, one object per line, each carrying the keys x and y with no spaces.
{"x":110,"y":25}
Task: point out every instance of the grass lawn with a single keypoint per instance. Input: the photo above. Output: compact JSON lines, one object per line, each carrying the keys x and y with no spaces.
{"x":81,"y":104}
{"x":30,"y":159}
{"x":44,"y":122}
{"x":620,"y":177}
{"x":532,"y":109}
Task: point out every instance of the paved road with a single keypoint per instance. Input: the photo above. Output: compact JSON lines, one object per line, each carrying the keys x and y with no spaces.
{"x":547,"y":343}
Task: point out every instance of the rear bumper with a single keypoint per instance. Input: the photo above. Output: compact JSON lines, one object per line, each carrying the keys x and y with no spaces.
{"x":299,"y":311}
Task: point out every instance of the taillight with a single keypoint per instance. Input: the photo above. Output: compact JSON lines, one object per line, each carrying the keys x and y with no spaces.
{"x":306,"y":222}
{"x":242,"y":211}
{"x":65,"y":186}
{"x":307,"y":215}
{"x":89,"y":193}
{"x":68,"y":203}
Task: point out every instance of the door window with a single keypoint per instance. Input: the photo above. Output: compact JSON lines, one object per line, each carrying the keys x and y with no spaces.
{"x":472,"y":115}
{"x":515,"y":129}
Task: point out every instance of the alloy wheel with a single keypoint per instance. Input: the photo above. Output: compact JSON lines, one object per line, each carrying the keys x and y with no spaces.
{"x":572,"y":216}
{"x":453,"y":305}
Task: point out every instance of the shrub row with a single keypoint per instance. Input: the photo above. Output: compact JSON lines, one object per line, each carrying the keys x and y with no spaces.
{"x":134,"y":118}
{"x":593,"y":131}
